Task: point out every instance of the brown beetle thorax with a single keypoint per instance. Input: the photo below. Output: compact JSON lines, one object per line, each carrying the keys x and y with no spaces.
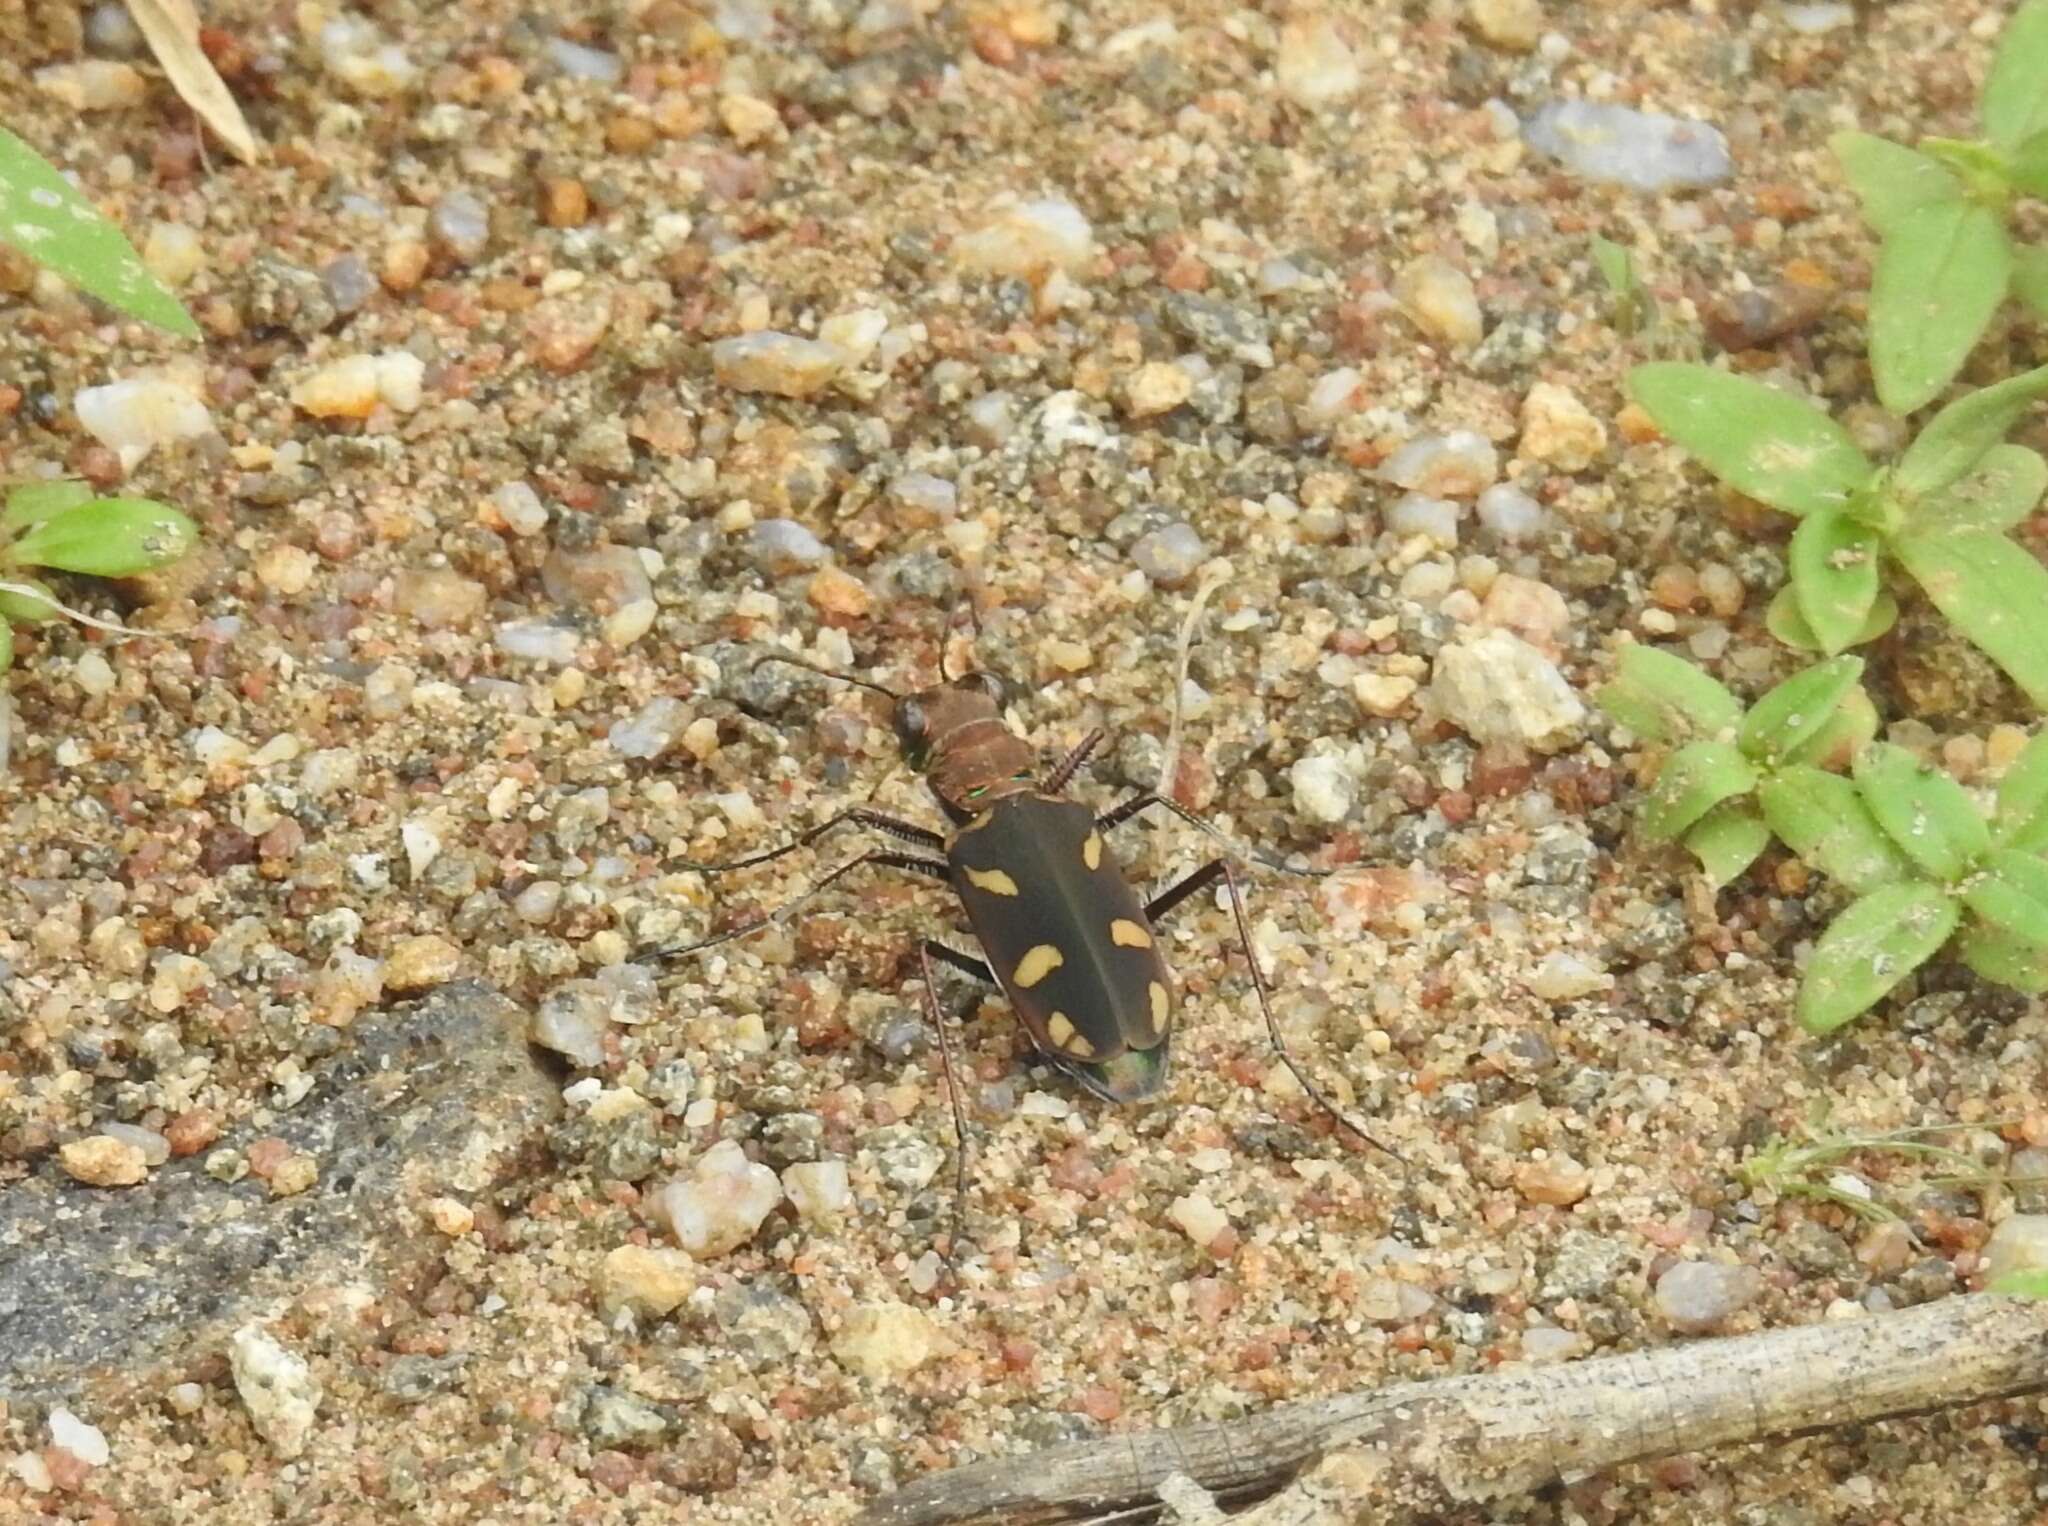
{"x":955,"y":733}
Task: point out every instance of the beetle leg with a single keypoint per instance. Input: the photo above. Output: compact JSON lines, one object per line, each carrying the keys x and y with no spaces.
{"x":906,"y":831}
{"x":1070,"y":765}
{"x":1117,"y":815}
{"x":1202,"y":878}
{"x":947,"y":1064}
{"x":966,"y":964}
{"x":934,"y":867}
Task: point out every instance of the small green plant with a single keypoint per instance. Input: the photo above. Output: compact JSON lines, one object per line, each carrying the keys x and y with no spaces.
{"x":1947,"y":258}
{"x":1634,"y":310}
{"x":1939,"y":513}
{"x":1924,"y":864}
{"x":1817,"y":1164}
{"x":43,"y":216}
{"x":63,"y":527}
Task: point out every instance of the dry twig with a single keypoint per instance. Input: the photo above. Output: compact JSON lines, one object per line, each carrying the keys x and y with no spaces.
{"x":1423,"y":1451}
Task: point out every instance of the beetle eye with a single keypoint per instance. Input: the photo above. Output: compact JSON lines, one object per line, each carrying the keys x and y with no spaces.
{"x":910,"y":721}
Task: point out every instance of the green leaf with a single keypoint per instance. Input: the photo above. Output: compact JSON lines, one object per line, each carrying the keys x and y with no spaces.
{"x":2015,"y":105}
{"x":47,"y":220}
{"x":1777,"y":448}
{"x":32,"y":502}
{"x":1783,"y":620}
{"x":1853,"y":724}
{"x":1695,"y":779}
{"x":1822,"y":818}
{"x":109,"y":538}
{"x":6,"y":649}
{"x":1991,"y":591}
{"x":2021,"y":820}
{"x":2004,"y":959}
{"x":1959,"y":436}
{"x":1923,"y":810}
{"x":1890,"y":179}
{"x":2000,"y":491}
{"x":1870,"y":948}
{"x":2010,"y":892}
{"x":2032,"y":1283}
{"x":1833,"y":562}
{"x":1785,"y":719}
{"x":27,"y":608}
{"x":2030,"y":276}
{"x":1727,"y":840}
{"x":1665,"y":699}
{"x":2029,"y":166}
{"x":1940,"y":275}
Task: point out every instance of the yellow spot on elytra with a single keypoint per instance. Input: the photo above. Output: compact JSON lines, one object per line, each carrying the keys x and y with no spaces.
{"x":1091,"y":850}
{"x":1162,"y":1007}
{"x":1036,"y":964}
{"x":994,"y":881}
{"x":1125,"y":933}
{"x":1060,"y":1029}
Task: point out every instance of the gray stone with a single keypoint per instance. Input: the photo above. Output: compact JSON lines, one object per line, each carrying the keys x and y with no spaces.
{"x":456,"y":1102}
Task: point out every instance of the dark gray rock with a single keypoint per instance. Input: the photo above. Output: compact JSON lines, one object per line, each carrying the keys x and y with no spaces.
{"x":442,"y":1097}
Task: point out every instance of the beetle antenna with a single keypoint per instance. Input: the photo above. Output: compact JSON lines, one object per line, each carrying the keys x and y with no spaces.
{"x":811,"y":667}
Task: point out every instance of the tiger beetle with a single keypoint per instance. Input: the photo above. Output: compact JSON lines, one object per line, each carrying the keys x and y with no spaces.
{"x":1065,"y":936}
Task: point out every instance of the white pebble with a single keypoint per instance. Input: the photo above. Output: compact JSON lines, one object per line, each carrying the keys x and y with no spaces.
{"x":818,"y":1189}
{"x":721,"y":1204}
{"x":1315,"y":67}
{"x":277,"y":1387}
{"x":1198,"y":1218}
{"x":1511,"y":513}
{"x":133,"y":417}
{"x":1418,"y":514}
{"x":652,"y":730}
{"x":1457,"y":464}
{"x":1027,"y":238}
{"x":1566,"y":977}
{"x":85,"y":1442}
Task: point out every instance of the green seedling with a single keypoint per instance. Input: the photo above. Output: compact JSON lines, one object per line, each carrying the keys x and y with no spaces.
{"x":63,"y":527}
{"x":2027,"y":1284}
{"x":1818,"y":1164}
{"x":43,"y":216}
{"x":1947,"y":257}
{"x":1927,"y":869}
{"x":1938,"y":513}
{"x":1634,"y":310}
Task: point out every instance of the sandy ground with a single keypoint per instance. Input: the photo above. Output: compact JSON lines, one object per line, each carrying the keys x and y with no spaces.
{"x":339,"y":745}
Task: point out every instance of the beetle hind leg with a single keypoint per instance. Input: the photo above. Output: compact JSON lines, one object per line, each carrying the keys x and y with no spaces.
{"x":1199,"y":880}
{"x":1117,"y":815}
{"x":934,"y":1013}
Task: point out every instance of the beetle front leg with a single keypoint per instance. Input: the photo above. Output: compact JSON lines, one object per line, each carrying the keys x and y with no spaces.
{"x":1201,"y":879}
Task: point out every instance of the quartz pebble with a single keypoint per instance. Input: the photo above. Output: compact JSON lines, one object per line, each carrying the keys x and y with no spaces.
{"x":1435,"y":519}
{"x":421,"y":963}
{"x":437,"y":598}
{"x":174,"y":253}
{"x":1440,"y":299}
{"x":1499,"y":688}
{"x":721,"y":1204}
{"x":1567,"y":977}
{"x":353,"y":387}
{"x":1699,"y":1296}
{"x":1157,"y":387}
{"x":886,"y":1340}
{"x":277,"y":1388}
{"x":818,"y":1189}
{"x":1027,"y":239}
{"x":580,"y":62}
{"x":782,"y":365}
{"x":101,"y":1160}
{"x":1510,"y":513}
{"x":1453,"y":465}
{"x":1514,"y":26}
{"x":356,"y":54}
{"x":93,"y":84}
{"x":1169,"y":555}
{"x":782,"y":546}
{"x":133,"y":417}
{"x":537,"y":640}
{"x":651,"y":1280}
{"x":1315,"y":67}
{"x":1198,"y":1218}
{"x":460,"y":224}
{"x":1616,"y":144}
{"x":1559,"y":430}
{"x":652,"y":730}
{"x":88,"y":1443}
{"x":1324,"y":787}
{"x":1556,"y":1180}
